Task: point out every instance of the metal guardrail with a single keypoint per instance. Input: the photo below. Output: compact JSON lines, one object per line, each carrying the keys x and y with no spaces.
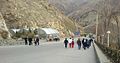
{"x":112,"y":54}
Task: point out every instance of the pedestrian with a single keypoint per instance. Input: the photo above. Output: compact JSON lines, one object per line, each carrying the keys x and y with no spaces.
{"x":30,"y":40}
{"x":87,"y":43}
{"x":56,"y":38}
{"x":72,"y":43}
{"x":36,"y":41}
{"x":26,"y":43}
{"x":79,"y":43}
{"x":90,"y":41}
{"x":66,"y":42}
{"x":84,"y":43}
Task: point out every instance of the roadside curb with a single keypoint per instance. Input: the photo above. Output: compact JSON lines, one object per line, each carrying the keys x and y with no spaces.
{"x":101,"y":56}
{"x":98,"y":60}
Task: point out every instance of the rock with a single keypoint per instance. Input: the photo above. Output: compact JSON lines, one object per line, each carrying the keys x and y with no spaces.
{"x":3,"y":26}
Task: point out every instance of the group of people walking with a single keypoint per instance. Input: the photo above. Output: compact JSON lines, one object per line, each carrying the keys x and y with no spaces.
{"x":70,"y":41}
{"x":29,"y":41}
{"x":85,"y":43}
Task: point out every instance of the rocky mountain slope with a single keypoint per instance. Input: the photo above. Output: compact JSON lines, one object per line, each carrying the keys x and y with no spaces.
{"x":71,"y":6}
{"x":2,"y":23}
{"x":33,"y":13}
{"x":3,"y":27}
{"x":84,"y":11}
{"x":81,"y":11}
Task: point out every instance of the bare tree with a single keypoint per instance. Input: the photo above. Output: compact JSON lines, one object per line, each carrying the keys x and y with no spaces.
{"x":109,"y":9}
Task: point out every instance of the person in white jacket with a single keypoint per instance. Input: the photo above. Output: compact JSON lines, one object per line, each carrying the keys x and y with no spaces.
{"x":70,"y":42}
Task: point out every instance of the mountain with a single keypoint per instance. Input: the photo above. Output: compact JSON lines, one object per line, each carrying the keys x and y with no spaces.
{"x":67,"y":6}
{"x":33,"y":13}
{"x":70,"y":7}
{"x":82,"y":11}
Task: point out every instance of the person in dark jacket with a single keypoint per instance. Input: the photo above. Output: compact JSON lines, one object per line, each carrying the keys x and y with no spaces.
{"x":79,"y":43}
{"x":30,"y":41}
{"x":90,"y":41}
{"x":36,"y":41}
{"x":84,"y":43}
{"x":26,"y":43}
{"x":66,"y":42}
{"x":87,"y":43}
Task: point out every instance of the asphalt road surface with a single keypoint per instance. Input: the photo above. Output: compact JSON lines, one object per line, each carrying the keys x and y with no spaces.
{"x":46,"y":53}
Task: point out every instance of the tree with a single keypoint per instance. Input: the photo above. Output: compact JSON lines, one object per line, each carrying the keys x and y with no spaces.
{"x":110,"y":9}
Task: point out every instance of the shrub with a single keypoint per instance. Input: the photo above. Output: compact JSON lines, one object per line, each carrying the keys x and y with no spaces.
{"x":4,"y":34}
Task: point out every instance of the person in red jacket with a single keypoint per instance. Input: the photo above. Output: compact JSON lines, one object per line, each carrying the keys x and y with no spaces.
{"x":72,"y":43}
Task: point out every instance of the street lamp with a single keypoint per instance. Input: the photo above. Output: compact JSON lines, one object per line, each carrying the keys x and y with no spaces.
{"x":108,"y":42}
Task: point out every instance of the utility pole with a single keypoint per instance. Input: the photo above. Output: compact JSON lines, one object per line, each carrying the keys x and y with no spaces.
{"x":97,"y":27}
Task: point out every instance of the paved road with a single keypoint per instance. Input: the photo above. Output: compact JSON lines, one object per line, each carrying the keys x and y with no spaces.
{"x":46,"y":53}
